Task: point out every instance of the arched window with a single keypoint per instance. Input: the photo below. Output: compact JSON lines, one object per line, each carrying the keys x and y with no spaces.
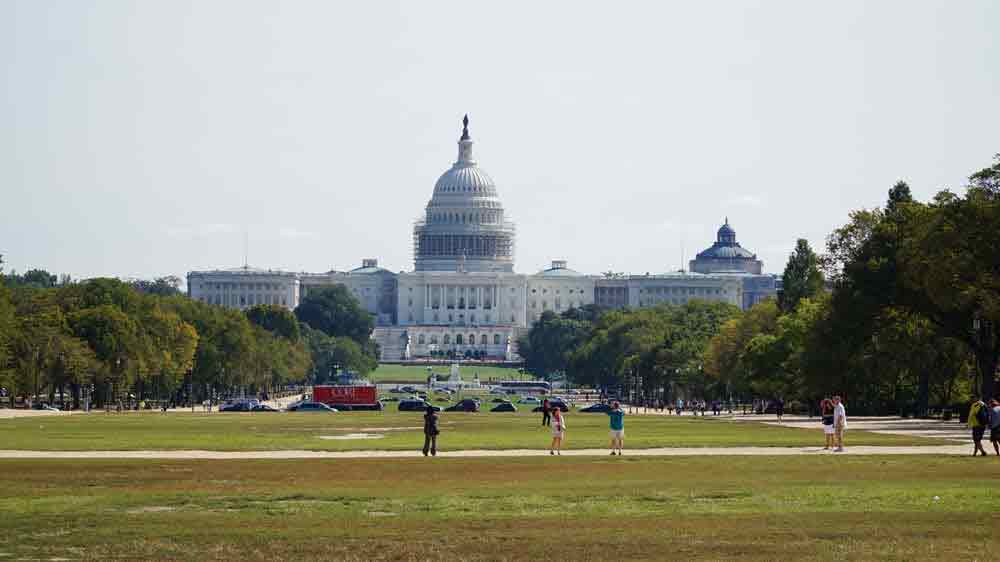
{"x":458,"y":339}
{"x":496,"y":337}
{"x":420,"y":339}
{"x":483,"y":339}
{"x":434,"y":340}
{"x":472,"y":339}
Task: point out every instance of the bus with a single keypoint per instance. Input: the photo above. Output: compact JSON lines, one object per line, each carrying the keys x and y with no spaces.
{"x":523,"y":387}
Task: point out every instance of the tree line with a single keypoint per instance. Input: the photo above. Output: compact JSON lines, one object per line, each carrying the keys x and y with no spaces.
{"x":899,"y":314}
{"x":110,"y":340}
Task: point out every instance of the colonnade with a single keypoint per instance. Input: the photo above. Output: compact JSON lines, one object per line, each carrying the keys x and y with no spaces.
{"x":461,"y":297}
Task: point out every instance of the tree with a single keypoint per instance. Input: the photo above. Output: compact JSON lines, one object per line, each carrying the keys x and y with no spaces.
{"x":163,"y":286}
{"x":802,"y":278}
{"x":275,"y":319}
{"x":547,"y":346}
{"x":335,"y":312}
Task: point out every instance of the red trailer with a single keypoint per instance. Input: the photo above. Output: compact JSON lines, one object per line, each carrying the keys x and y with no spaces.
{"x":347,"y":396}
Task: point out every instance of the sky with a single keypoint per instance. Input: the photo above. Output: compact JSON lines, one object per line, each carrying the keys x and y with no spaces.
{"x":143,"y":139}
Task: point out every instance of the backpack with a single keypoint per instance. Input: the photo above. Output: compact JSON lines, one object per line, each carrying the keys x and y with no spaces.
{"x":982,"y":417}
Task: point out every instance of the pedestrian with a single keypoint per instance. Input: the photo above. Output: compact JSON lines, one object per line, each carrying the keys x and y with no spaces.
{"x":995,"y":425}
{"x":431,"y":431}
{"x":558,"y":432}
{"x":617,"y":426}
{"x":779,"y":408}
{"x":826,"y":413}
{"x":839,"y":423}
{"x":680,"y":406}
{"x":979,"y":420}
{"x":546,"y":415}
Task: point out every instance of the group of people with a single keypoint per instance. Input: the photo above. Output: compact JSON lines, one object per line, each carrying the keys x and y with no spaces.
{"x":552,"y":417}
{"x":833,"y":416}
{"x":983,"y":417}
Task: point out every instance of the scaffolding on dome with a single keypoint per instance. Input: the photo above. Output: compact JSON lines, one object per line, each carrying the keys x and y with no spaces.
{"x":471,"y":242}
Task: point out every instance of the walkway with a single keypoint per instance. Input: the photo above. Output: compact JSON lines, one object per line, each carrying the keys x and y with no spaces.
{"x":659,"y":452}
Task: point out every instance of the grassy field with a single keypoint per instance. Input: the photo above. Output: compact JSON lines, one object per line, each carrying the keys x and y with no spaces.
{"x":418,"y":373}
{"x":399,"y":431}
{"x":797,"y":508}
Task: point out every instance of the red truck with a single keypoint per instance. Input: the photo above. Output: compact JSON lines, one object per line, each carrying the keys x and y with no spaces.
{"x":347,"y":396}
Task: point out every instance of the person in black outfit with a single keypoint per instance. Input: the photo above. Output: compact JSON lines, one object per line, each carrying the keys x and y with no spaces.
{"x":430,"y":431}
{"x":779,"y":408}
{"x":546,"y":413}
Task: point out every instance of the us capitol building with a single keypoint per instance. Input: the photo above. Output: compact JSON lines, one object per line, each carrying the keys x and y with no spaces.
{"x":463,"y":293}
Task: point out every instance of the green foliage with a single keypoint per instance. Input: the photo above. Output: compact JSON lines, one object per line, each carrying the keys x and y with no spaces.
{"x":275,"y":319}
{"x":168,"y":286}
{"x":105,"y":333}
{"x":546,"y":348}
{"x":334,"y":311}
{"x":802,"y":278}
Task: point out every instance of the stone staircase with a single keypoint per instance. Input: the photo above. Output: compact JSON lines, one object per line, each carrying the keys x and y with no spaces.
{"x":390,"y":341}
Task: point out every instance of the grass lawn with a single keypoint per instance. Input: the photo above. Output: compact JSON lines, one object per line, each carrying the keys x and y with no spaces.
{"x":418,"y":373}
{"x":400,"y":430}
{"x":762,"y":508}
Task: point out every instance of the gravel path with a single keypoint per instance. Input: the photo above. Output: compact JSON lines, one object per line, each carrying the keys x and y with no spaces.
{"x":660,"y":452}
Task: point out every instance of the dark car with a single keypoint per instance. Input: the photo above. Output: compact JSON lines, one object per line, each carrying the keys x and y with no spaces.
{"x":409,"y":390}
{"x":415,"y":406}
{"x":467,"y":405}
{"x":504,"y":407}
{"x":564,"y":407}
{"x":500,"y":401}
{"x":311,"y":407}
{"x":263,"y":408}
{"x":596,"y":409}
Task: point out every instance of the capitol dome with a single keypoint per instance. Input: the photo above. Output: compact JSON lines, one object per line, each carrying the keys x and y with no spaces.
{"x":464,"y":227}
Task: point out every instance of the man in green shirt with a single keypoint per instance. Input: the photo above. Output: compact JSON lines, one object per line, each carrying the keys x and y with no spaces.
{"x":617,"y":427}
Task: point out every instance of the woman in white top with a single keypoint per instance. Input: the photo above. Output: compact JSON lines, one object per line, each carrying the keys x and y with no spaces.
{"x":558,"y":431}
{"x":839,"y":423}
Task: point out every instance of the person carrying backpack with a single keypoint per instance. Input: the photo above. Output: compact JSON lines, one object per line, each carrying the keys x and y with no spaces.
{"x":979,"y":420}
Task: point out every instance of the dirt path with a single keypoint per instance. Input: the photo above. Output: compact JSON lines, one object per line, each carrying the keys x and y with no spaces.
{"x":659,"y":452}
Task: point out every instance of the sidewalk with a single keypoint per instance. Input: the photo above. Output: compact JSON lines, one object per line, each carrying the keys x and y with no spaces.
{"x":659,"y":452}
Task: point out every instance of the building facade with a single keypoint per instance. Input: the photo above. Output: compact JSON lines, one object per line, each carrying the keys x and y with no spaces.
{"x":464,"y":295}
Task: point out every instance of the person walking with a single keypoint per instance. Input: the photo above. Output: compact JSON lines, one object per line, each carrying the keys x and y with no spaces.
{"x":546,"y":413}
{"x":779,"y":408}
{"x":979,"y":420}
{"x":431,"y":431}
{"x":617,"y":426}
{"x":839,"y":423}
{"x":826,"y":416}
{"x":995,"y":425}
{"x":558,"y":431}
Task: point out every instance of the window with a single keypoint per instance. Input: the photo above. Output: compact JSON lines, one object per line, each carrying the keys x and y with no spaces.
{"x":447,"y":339}
{"x":458,"y":339}
{"x":434,"y":340}
{"x":411,"y":302}
{"x":496,"y":338}
{"x":483,"y":340}
{"x":420,"y":339}
{"x":472,"y":339}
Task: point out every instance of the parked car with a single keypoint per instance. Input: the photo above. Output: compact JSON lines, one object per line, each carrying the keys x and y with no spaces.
{"x":310,"y":407}
{"x":499,"y":400}
{"x":409,"y":390}
{"x":564,"y":407}
{"x":397,"y":390}
{"x":596,"y":409}
{"x":529,"y":400}
{"x":466,"y":405}
{"x":263,"y":408}
{"x":415,"y":406}
{"x":235,"y":407}
{"x":447,"y":391}
{"x":504,"y":407}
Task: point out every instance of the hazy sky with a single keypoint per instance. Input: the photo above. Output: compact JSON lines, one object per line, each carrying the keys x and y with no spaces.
{"x":146,"y":138}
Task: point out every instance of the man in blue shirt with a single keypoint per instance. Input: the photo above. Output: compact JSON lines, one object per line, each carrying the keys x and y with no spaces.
{"x":617,"y":427}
